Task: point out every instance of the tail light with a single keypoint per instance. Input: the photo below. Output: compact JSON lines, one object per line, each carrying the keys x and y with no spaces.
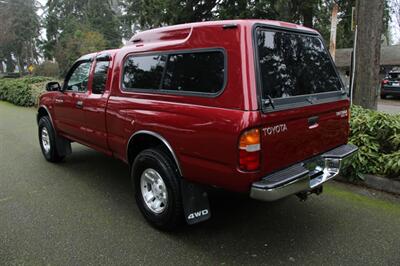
{"x":385,"y":81}
{"x":250,"y":150}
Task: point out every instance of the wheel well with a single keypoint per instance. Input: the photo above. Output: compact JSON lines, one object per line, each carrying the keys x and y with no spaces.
{"x":41,"y":112}
{"x":143,"y":141}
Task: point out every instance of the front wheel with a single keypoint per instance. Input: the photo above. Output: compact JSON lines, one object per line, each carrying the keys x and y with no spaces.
{"x":47,"y":140}
{"x":157,"y":189}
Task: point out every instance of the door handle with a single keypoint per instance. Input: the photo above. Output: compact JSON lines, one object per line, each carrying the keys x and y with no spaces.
{"x":59,"y":100}
{"x":313,"y":122}
{"x":79,"y":104}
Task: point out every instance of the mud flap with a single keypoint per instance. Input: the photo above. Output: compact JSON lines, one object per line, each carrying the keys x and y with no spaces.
{"x":63,"y":146}
{"x":195,"y":202}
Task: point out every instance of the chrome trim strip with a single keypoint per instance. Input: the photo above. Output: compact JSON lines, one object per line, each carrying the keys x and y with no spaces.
{"x":163,"y":140}
{"x":272,"y":194}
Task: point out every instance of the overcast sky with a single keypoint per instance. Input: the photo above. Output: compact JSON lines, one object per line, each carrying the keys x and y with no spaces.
{"x":394,"y":26}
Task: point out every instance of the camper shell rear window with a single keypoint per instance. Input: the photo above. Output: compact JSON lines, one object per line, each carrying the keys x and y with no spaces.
{"x":294,"y":69}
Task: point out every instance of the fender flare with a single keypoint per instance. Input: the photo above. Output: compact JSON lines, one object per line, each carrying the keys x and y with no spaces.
{"x":48,"y":112}
{"x":159,"y":137}
{"x":63,"y":145}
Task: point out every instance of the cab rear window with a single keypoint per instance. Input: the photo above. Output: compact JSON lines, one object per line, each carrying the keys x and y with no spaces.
{"x":293,"y":64}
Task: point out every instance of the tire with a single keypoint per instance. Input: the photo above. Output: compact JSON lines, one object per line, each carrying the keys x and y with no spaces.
{"x":155,"y":176}
{"x":383,"y":96}
{"x":47,"y":140}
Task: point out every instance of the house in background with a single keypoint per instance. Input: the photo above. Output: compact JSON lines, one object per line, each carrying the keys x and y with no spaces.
{"x":390,"y":58}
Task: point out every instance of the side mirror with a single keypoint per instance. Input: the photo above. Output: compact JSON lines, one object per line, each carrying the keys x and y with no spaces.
{"x":53,"y":86}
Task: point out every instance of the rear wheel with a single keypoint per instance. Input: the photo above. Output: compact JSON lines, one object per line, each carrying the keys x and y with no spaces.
{"x":47,"y":140}
{"x":157,"y":189}
{"x":383,"y":96}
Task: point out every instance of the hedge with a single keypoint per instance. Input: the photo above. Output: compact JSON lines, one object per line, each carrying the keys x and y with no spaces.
{"x":377,"y":135}
{"x":22,"y":91}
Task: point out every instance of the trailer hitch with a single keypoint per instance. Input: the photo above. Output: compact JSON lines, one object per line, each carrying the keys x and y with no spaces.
{"x":303,"y":196}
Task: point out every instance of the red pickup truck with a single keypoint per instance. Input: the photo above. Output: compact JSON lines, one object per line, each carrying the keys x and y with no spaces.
{"x":252,"y":106}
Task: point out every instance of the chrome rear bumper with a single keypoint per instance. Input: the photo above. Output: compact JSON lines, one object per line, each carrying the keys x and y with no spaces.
{"x":303,"y":176}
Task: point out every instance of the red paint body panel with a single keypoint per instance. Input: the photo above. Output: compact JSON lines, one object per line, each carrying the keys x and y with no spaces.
{"x":301,"y":141}
{"x":202,"y":131}
{"x":69,"y":119}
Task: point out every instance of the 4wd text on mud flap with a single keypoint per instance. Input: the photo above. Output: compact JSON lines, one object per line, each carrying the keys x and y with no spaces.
{"x":197,"y":214}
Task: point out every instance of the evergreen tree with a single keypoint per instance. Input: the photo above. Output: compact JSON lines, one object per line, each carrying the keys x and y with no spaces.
{"x":147,"y":14}
{"x":65,"y":17}
{"x":20,"y":31}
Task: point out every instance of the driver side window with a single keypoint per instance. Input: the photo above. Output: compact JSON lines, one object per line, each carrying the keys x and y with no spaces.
{"x":78,"y":80}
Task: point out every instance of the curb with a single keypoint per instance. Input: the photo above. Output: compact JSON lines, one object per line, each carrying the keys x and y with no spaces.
{"x":376,"y":182}
{"x":382,"y":183}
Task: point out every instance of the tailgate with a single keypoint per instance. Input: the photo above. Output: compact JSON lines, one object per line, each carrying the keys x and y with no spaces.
{"x":291,"y":137}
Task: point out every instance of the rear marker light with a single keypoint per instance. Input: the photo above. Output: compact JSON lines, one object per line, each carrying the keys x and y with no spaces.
{"x":249,"y":150}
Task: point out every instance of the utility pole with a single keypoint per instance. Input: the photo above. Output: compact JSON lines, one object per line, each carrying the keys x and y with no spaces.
{"x":353,"y":53}
{"x":332,"y":42}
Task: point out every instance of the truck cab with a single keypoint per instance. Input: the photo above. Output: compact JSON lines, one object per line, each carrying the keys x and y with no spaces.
{"x":252,"y":106}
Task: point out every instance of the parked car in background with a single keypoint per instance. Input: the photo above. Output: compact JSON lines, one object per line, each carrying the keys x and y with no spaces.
{"x":391,"y":84}
{"x":252,"y":106}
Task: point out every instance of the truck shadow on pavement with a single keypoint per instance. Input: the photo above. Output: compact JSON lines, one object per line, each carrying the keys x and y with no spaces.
{"x":238,"y":223}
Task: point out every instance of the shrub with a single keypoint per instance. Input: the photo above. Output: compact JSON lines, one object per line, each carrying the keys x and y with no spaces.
{"x":377,"y":136}
{"x":47,"y":69}
{"x":22,"y":91}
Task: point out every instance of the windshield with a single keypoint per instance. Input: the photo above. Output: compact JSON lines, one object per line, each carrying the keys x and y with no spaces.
{"x":293,"y":64}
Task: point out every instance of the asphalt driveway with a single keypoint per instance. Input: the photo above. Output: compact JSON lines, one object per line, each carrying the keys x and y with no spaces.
{"x":391,"y":106}
{"x":82,"y":211}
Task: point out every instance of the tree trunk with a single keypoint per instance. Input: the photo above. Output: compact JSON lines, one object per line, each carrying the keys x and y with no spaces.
{"x":308,"y":14}
{"x":10,"y":65}
{"x":369,"y":23}
{"x":20,"y":66}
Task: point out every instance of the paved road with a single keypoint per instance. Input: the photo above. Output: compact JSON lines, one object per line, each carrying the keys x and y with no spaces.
{"x":82,"y":212}
{"x":391,"y":105}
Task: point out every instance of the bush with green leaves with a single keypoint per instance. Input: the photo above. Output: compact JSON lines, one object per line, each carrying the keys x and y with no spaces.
{"x":22,"y":91}
{"x":377,"y":136}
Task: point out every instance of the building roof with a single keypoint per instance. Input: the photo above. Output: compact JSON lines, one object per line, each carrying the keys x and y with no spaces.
{"x":390,"y":55}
